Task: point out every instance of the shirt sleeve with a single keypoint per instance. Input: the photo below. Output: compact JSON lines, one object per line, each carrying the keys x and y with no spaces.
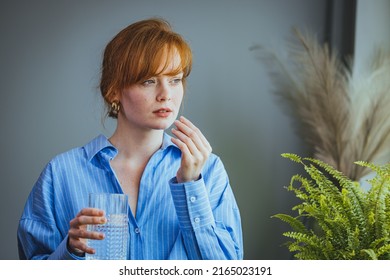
{"x":38,"y":236}
{"x":208,"y":215}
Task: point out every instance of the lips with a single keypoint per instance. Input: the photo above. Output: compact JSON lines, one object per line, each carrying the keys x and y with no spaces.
{"x":163,"y":113}
{"x":163,"y":110}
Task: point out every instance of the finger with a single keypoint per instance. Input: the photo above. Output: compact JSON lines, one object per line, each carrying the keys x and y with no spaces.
{"x":188,"y":123}
{"x":90,"y":212}
{"x":195,"y":145}
{"x":192,"y":148}
{"x":186,"y":153}
{"x":78,"y":245}
{"x":87,"y":220}
{"x":191,"y":126}
{"x":76,"y":234}
{"x":186,"y":134}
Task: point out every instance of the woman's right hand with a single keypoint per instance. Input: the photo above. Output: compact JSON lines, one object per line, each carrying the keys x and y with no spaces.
{"x":78,"y":234}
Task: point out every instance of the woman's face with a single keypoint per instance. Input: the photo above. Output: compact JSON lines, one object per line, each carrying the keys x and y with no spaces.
{"x":155,"y":102}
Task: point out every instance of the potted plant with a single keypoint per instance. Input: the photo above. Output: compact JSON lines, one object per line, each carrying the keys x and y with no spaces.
{"x":338,"y":223}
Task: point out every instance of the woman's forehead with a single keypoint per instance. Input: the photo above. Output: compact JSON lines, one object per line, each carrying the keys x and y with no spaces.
{"x":169,"y":63}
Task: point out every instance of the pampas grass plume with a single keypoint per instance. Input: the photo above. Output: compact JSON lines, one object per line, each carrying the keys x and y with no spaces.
{"x":342,"y":117}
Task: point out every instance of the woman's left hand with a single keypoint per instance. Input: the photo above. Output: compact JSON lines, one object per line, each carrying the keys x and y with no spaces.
{"x":194,"y":147}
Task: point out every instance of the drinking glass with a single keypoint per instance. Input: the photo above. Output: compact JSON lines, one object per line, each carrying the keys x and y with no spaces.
{"x":115,"y":243}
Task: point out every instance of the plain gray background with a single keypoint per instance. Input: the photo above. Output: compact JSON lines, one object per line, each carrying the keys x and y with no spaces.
{"x":50,"y":55}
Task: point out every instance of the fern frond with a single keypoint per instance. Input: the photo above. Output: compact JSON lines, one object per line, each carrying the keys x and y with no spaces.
{"x":305,"y":252}
{"x":358,"y":208}
{"x":352,"y":197}
{"x":308,"y":245}
{"x":370,"y":253}
{"x":300,"y":189}
{"x":384,"y":250}
{"x":378,"y":242}
{"x":337,"y":175}
{"x":307,"y":239}
{"x":292,"y":157}
{"x":370,"y":165}
{"x":295,"y":224}
{"x":308,"y":254}
{"x":327,"y":188}
{"x":377,"y":200}
{"x":353,"y":202}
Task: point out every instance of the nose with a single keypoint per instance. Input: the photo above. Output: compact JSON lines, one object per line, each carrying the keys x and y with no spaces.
{"x":164,"y":92}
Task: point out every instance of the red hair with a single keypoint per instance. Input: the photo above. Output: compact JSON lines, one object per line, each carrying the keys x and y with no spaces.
{"x":142,"y":50}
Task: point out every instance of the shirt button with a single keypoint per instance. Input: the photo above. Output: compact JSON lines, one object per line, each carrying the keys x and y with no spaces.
{"x":192,"y":198}
{"x":136,"y":230}
{"x":196,"y":220}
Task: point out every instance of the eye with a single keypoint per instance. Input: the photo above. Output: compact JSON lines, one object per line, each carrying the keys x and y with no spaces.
{"x":148,"y":82}
{"x":176,"y":80}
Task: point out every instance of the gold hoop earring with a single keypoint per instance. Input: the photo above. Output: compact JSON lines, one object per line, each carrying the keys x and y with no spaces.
{"x":114,"y":110}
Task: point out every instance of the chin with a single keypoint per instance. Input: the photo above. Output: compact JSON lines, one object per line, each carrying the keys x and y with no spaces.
{"x":163,"y":125}
{"x":160,"y":127}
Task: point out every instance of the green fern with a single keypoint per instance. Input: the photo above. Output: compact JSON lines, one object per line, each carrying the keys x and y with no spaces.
{"x":348,"y":223}
{"x":296,"y":224}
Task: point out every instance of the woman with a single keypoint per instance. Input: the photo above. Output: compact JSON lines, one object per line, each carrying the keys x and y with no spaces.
{"x":181,"y":203}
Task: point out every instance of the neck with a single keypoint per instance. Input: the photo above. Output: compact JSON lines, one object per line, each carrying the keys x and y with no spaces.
{"x":133,"y":143}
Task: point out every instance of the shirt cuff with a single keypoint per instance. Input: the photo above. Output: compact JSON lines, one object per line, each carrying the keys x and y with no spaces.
{"x":192,"y":203}
{"x":62,"y":253}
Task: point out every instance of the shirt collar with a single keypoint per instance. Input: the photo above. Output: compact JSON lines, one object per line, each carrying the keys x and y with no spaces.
{"x":101,"y":143}
{"x":98,"y":144}
{"x":167,"y":142}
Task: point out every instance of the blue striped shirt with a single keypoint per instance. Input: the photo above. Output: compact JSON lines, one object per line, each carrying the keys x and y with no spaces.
{"x":193,"y":220}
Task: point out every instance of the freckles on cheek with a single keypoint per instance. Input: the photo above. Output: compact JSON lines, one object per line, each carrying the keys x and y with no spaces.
{"x":137,"y":101}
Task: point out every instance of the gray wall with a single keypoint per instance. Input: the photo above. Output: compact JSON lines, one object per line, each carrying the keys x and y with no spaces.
{"x":372,"y":31}
{"x":50,"y":54}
